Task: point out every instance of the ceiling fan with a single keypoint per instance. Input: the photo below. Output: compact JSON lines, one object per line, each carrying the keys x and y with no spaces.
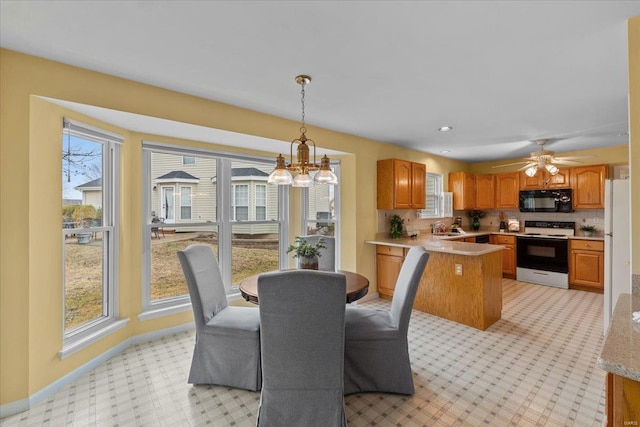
{"x":544,"y":159}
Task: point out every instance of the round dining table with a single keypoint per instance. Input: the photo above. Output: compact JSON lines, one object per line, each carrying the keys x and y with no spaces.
{"x":357,"y":286}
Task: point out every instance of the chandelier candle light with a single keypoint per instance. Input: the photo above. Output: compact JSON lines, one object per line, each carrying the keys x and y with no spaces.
{"x":282,"y":173}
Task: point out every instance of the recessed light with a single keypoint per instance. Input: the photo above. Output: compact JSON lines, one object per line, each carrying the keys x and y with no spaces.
{"x":445,"y":128}
{"x":444,"y":151}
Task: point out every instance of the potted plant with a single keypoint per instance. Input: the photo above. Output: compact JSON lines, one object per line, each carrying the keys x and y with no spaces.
{"x":307,"y":253}
{"x":395,"y":226}
{"x":587,"y":230}
{"x":475,"y":216}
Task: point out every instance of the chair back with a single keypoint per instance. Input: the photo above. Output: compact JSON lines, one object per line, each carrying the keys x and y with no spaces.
{"x":204,"y":280}
{"x":407,"y":286}
{"x":327,"y":260}
{"x":302,"y":346}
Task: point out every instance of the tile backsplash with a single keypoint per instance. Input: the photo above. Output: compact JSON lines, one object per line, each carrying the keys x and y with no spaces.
{"x":491,"y":221}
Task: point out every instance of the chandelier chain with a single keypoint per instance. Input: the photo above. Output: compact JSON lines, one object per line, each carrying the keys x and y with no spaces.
{"x":303,"y":128}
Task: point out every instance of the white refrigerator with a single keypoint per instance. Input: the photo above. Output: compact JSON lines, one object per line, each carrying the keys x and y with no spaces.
{"x":617,"y":244}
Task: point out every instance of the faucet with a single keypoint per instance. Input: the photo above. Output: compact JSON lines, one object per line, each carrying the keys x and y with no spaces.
{"x":438,"y":227}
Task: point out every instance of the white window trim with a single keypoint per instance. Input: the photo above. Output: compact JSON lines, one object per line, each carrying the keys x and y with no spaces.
{"x":95,"y":330}
{"x":439,"y":197}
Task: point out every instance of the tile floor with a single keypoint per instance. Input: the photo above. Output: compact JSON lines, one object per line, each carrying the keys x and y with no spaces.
{"x":535,"y":367}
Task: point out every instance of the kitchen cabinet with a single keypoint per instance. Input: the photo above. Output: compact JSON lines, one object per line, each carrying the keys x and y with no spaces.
{"x":586,"y":265}
{"x":401,"y":184}
{"x":389,"y":261}
{"x":588,"y":186}
{"x":507,"y":190}
{"x":463,"y":187}
{"x":623,"y":395}
{"x":508,"y":254}
{"x":544,"y":180}
{"x":485,"y":191}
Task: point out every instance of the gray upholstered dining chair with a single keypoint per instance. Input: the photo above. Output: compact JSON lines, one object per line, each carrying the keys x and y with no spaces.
{"x":227,"y":348}
{"x":302,"y":344}
{"x":327,"y":260}
{"x":376,"y":354}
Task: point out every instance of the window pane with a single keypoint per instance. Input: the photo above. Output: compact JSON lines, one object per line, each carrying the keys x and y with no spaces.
{"x":185,"y":202}
{"x":254,"y":250}
{"x":83,"y":273}
{"x":84,"y":249}
{"x":167,"y":278}
{"x":321,"y":208}
{"x":188,"y":160}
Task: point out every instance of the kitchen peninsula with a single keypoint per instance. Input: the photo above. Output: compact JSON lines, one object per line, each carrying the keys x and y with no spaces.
{"x":462,"y":281}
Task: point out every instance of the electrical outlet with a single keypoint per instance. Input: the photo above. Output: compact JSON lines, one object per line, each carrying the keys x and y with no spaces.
{"x":458,"y":269}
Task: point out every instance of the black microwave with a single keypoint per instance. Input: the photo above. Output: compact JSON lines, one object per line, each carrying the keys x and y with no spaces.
{"x":546,"y":200}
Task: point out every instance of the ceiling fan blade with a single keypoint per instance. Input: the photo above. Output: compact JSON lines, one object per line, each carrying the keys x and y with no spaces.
{"x":567,"y":162}
{"x":591,"y":156}
{"x":511,"y":164}
{"x":528,"y":165}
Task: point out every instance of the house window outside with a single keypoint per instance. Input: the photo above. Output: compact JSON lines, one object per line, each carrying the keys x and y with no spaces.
{"x":90,"y":190}
{"x":188,"y":160}
{"x":240,"y":203}
{"x":221,"y":189}
{"x":261,"y":202}
{"x":433,"y":196}
{"x":185,"y":202}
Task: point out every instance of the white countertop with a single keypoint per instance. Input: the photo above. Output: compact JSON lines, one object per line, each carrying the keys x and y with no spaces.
{"x":435,"y":243}
{"x":621,"y":349}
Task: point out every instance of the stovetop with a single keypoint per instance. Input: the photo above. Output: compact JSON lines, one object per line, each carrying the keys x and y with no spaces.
{"x":549,"y":229}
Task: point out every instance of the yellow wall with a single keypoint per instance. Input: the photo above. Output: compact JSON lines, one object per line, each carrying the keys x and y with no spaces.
{"x":634,"y":156}
{"x":30,"y":184}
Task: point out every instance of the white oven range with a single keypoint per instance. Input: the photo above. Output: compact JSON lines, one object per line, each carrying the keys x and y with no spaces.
{"x":542,"y":253}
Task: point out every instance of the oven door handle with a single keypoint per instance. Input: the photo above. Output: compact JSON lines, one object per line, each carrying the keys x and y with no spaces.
{"x":541,"y":274}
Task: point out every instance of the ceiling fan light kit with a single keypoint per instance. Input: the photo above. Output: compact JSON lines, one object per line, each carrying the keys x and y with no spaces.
{"x":543,"y":159}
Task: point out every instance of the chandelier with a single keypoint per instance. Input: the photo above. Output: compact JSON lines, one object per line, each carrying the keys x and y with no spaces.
{"x":282,"y":174}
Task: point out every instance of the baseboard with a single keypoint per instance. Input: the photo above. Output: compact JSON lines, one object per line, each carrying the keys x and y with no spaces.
{"x":22,"y":405}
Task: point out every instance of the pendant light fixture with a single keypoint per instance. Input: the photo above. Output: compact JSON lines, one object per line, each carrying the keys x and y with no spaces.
{"x":282,"y":174}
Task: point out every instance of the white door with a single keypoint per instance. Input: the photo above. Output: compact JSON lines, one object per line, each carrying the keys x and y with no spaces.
{"x":168,"y":204}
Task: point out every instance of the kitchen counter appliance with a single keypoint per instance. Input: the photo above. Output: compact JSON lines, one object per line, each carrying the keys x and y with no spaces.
{"x":542,"y":253}
{"x":546,"y":200}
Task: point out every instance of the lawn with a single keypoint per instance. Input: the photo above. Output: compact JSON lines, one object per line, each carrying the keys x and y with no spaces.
{"x":84,"y":266}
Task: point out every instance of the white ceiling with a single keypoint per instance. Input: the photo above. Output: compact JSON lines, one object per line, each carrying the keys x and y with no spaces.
{"x":502,"y":73}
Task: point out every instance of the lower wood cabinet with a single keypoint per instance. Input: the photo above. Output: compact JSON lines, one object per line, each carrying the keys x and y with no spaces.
{"x":586,"y":265}
{"x":623,"y":401}
{"x":389,"y":261}
{"x":508,"y":254}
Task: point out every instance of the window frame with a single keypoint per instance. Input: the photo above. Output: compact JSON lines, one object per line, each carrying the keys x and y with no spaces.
{"x":158,"y":308}
{"x":438,"y":196}
{"x":83,"y":335}
{"x":187,"y":162}
{"x":263,"y":199}
{"x":234,"y":201}
{"x":335,"y":167}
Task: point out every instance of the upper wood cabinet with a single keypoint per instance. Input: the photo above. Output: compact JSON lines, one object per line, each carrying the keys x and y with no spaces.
{"x":463,"y":187}
{"x":485,"y":192}
{"x":544,"y":180}
{"x":507,"y":190}
{"x":588,"y":186}
{"x":401,"y":184}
